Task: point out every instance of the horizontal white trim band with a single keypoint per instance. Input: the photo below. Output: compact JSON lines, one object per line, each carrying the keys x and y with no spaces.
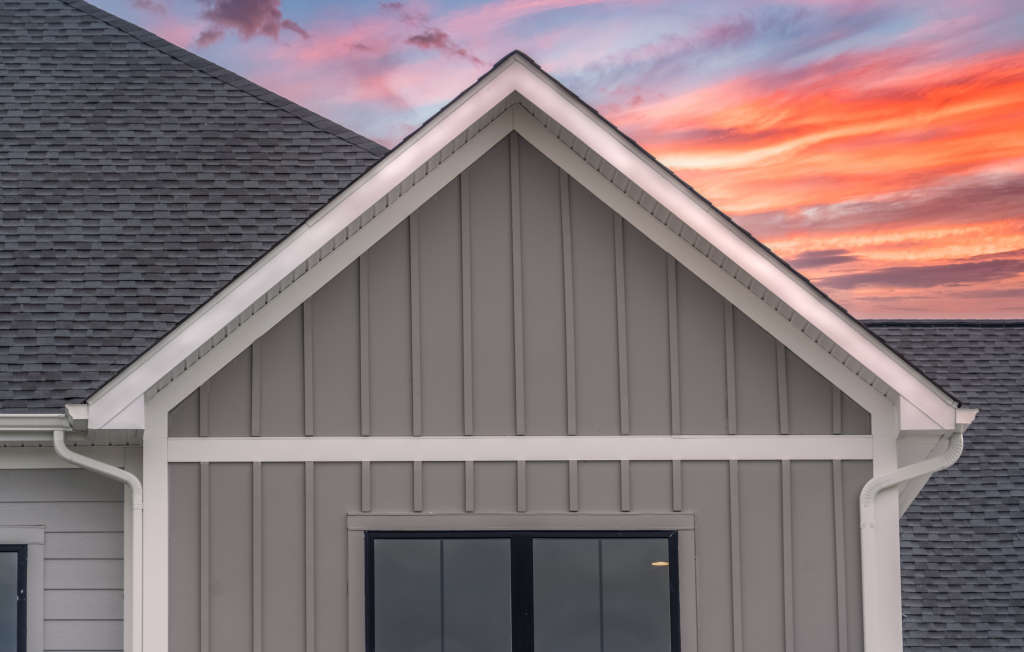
{"x":534,"y":448}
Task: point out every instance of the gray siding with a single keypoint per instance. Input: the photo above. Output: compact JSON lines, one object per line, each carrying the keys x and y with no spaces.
{"x":494,"y":284}
{"x":83,"y":568}
{"x":296,"y":597}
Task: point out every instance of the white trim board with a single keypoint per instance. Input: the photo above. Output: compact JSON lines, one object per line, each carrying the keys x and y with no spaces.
{"x":34,"y":537}
{"x":44,"y":457}
{"x":479,"y":449}
{"x":515,"y":75}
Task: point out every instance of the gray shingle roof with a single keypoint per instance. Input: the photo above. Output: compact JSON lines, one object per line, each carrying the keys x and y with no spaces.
{"x":962,"y":540}
{"x":136,"y":180}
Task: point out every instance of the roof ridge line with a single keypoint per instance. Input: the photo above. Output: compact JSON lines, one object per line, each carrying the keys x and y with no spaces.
{"x":222,"y":74}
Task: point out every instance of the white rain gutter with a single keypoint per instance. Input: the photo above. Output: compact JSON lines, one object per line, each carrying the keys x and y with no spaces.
{"x":135,"y":622}
{"x":869,"y":563}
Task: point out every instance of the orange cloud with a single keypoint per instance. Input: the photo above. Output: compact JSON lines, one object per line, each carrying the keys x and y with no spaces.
{"x":849,"y":128}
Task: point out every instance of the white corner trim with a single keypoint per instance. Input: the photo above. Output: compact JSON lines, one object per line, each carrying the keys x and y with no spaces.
{"x":482,"y":449}
{"x":108,"y":406}
{"x":132,"y":417}
{"x":912,"y":419}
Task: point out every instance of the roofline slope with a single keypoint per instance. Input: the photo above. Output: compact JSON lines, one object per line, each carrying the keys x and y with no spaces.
{"x":528,"y":79}
{"x":230,"y":78}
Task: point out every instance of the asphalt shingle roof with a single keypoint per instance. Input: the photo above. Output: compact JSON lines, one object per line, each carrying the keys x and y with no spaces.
{"x":962,"y":540}
{"x":136,"y":180}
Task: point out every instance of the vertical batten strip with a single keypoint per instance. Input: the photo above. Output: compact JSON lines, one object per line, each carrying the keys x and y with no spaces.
{"x":467,"y":308}
{"x":257,"y":357}
{"x":521,"y":485}
{"x":620,"y":298}
{"x":364,"y":347}
{"x":257,"y":557}
{"x":417,"y":486}
{"x":204,"y":557}
{"x":787,"y":556}
{"x":307,"y":366}
{"x":837,"y":411}
{"x":570,"y":308}
{"x":574,"y":487}
{"x":365,"y":488}
{"x":730,"y":367}
{"x":414,"y":293}
{"x":673,"y":343}
{"x":677,"y":486}
{"x":780,"y":366}
{"x":734,"y":531}
{"x":837,"y":495}
{"x":624,"y":485}
{"x":204,"y":409}
{"x":517,"y":284}
{"x":310,"y":557}
{"x":470,"y":488}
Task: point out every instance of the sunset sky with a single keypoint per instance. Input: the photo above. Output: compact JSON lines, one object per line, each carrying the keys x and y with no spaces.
{"x":876,"y":146}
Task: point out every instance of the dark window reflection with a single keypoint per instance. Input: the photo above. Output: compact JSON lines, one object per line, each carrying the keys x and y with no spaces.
{"x":450,"y":595}
{"x":8,"y":601}
{"x":601,"y":595}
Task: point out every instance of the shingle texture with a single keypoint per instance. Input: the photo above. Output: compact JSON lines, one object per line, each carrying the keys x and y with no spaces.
{"x":962,"y":540}
{"x":136,"y":180}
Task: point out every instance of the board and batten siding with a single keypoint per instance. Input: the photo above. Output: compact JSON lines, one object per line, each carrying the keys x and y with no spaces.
{"x":258,"y":552}
{"x":83,"y":567}
{"x":515,"y":302}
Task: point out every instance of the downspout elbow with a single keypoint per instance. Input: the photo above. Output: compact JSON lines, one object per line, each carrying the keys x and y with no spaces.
{"x":899,"y":476}
{"x":99,"y":467}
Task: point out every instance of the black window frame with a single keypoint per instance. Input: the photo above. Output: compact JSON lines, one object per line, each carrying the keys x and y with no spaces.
{"x":521,"y":545}
{"x":22,"y":615}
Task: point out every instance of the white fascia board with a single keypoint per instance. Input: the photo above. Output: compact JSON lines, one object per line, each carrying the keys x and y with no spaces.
{"x":514,"y":75}
{"x":670,"y":193}
{"x":481,"y":449}
{"x":132,"y":383}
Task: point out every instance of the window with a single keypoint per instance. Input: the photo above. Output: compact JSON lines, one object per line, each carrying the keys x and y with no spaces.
{"x":13,"y":604}
{"x":544,"y":591}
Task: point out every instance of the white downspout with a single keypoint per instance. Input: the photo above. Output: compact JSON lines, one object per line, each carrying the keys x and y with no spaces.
{"x":869,"y":568}
{"x":127,"y":478}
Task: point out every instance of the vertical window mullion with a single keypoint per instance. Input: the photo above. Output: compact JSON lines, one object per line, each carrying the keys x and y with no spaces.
{"x":522,"y":592}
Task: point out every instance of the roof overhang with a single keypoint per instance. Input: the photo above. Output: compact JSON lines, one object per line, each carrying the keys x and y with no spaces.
{"x":925,"y":407}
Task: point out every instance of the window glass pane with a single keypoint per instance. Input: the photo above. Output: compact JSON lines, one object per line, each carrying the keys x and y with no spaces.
{"x":455,"y":590}
{"x":477,"y":595}
{"x":593,"y":595}
{"x":636,"y":595}
{"x":8,"y":601}
{"x":406,"y":595}
{"x":566,"y":595}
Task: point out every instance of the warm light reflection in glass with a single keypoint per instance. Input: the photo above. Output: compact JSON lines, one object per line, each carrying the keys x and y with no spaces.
{"x":659,"y":563}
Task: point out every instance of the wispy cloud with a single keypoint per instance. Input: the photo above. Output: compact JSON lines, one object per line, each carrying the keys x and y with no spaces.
{"x":877,"y":146}
{"x":247,"y":18}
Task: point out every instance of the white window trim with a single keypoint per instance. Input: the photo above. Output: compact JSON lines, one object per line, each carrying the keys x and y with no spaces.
{"x":32,"y":536}
{"x":358,"y":524}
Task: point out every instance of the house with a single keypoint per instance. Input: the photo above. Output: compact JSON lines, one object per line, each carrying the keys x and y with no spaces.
{"x":511,"y":385}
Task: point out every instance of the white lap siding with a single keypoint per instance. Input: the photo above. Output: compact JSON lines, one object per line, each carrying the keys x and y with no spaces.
{"x":83,"y":581}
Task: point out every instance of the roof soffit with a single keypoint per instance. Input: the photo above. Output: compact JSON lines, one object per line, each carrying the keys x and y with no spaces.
{"x":516,"y":83}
